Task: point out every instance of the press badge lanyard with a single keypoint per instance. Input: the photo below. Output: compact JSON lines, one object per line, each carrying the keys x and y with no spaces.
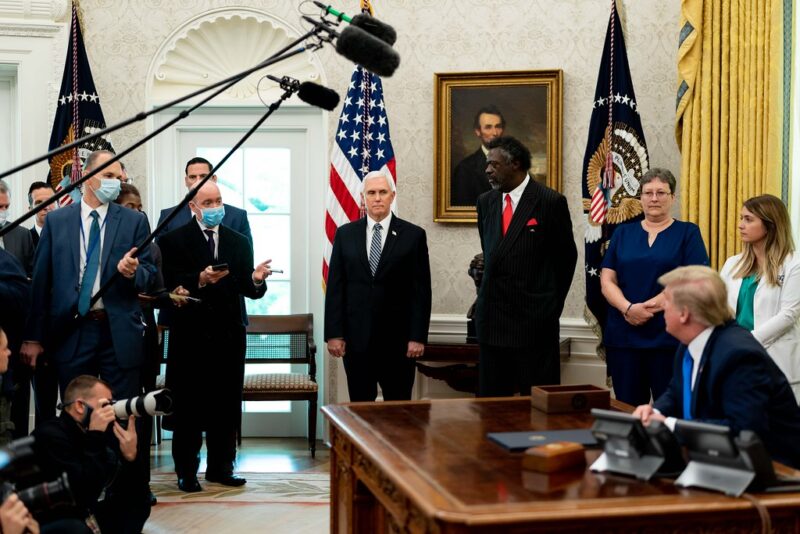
{"x":86,"y":246}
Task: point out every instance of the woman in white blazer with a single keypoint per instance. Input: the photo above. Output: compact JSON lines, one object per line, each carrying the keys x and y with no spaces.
{"x":764,"y":283}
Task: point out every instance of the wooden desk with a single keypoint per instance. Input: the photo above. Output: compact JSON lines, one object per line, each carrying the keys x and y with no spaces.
{"x":427,"y":467}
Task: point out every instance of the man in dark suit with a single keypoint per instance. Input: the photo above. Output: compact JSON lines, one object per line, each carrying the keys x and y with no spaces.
{"x":14,"y":305}
{"x":722,"y":375}
{"x":82,"y":246}
{"x":22,"y":244}
{"x":469,"y":175}
{"x":18,"y":241}
{"x":529,"y":255}
{"x":205,"y":363}
{"x":235,"y":218}
{"x":38,"y":192}
{"x":378,"y":299}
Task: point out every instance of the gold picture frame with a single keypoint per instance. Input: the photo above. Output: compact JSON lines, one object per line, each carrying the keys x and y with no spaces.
{"x":529,"y":101}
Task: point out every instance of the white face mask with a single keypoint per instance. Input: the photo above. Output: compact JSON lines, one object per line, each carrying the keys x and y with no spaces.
{"x":3,"y":217}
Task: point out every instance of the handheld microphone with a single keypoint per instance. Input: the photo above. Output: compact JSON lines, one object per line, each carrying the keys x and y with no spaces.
{"x":309,"y":92}
{"x":366,"y":22}
{"x":370,"y":52}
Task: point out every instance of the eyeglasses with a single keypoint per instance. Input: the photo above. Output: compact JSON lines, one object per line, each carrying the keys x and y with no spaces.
{"x":660,"y":195}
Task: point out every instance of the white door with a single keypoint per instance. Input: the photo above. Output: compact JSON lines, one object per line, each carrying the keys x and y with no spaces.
{"x":276,"y":178}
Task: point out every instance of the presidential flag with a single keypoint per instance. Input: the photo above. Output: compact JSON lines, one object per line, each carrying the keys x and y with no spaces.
{"x":615,"y":159}
{"x":78,"y":114}
{"x":362,"y":145}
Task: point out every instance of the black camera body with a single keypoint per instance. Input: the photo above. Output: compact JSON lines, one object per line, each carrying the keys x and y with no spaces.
{"x":20,"y":474}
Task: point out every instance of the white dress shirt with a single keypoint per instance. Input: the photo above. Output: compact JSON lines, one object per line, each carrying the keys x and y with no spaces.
{"x":696,"y":348}
{"x":86,"y":225}
{"x":215,"y":229}
{"x":384,"y":230}
{"x":515,"y":194}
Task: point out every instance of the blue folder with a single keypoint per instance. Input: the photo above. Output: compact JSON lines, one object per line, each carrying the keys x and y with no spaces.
{"x":519,"y":441}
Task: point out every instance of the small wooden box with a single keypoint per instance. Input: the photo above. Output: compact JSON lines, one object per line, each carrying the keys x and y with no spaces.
{"x":572,"y":398}
{"x":553,"y":457}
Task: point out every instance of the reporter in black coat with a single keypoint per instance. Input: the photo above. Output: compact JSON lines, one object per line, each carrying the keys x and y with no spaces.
{"x":205,"y":359}
{"x":528,"y":272}
{"x":734,"y":382}
{"x":378,"y":322}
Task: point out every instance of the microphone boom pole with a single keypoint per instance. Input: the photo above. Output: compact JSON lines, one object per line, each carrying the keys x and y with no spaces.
{"x":288,"y":91}
{"x":224,"y":84}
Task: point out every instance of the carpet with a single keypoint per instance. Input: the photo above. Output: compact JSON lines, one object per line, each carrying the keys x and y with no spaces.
{"x":278,"y":503}
{"x":309,"y":488}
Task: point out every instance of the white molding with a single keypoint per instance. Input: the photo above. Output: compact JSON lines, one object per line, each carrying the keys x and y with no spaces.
{"x":206,"y":49}
{"x":28,"y":29}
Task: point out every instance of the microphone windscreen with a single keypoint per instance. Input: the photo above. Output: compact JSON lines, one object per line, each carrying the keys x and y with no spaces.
{"x":318,"y":95}
{"x":370,"y":52}
{"x":373,"y":26}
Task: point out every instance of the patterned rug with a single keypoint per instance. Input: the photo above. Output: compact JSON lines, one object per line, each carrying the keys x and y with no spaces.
{"x":306,"y":488}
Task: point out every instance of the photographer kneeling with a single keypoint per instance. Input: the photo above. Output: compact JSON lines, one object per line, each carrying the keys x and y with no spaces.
{"x":97,"y":453}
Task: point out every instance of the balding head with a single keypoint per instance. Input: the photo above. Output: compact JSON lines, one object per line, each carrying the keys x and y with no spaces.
{"x":208,"y":196}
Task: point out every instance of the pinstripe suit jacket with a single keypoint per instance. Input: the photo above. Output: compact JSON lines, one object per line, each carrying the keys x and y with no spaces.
{"x":528,"y":271}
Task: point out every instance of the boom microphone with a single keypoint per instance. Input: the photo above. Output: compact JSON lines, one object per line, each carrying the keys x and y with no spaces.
{"x":318,"y":95}
{"x":373,"y":26}
{"x":309,"y":92}
{"x":370,"y":52}
{"x":366,"y":22}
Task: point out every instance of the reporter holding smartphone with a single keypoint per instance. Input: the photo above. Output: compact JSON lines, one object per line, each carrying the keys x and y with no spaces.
{"x":205,"y":362}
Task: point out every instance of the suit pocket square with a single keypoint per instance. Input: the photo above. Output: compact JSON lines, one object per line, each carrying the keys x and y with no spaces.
{"x":532,"y":222}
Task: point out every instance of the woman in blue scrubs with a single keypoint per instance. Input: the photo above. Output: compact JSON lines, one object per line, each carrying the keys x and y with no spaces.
{"x":639,"y":352}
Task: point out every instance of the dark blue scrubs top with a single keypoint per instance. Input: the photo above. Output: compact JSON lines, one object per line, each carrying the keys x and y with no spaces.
{"x":638,"y":267}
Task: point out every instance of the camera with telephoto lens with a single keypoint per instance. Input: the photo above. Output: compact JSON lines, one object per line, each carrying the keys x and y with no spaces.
{"x":155,"y":403}
{"x":20,"y":474}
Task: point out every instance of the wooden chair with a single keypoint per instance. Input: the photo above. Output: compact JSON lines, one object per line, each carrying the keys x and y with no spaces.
{"x":283,"y":339}
{"x":277,"y":339}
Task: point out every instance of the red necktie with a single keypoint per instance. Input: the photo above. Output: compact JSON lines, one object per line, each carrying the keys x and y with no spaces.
{"x":508,"y":212}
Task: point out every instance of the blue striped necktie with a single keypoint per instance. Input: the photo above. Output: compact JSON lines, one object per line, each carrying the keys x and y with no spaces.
{"x":687,"y":384}
{"x":375,"y":248}
{"x":92,"y":265}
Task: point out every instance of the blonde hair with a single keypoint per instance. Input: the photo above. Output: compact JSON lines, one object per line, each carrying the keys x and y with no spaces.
{"x":702,"y":290}
{"x":779,"y":243}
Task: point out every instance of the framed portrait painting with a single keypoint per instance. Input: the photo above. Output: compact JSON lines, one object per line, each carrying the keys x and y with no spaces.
{"x":471,"y":109}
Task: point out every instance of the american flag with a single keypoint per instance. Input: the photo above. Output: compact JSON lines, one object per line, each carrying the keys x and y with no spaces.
{"x":78,"y":114}
{"x":362,"y":145}
{"x":615,"y":158}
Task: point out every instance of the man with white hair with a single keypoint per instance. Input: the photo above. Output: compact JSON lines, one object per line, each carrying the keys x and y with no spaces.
{"x":722,"y":375}
{"x":378,"y":300}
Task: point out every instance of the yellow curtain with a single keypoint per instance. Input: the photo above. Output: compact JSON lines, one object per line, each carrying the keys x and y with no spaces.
{"x":729,"y":113}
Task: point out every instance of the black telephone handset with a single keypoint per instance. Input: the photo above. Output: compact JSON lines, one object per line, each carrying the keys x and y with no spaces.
{"x":755,"y":456}
{"x":665,"y":444}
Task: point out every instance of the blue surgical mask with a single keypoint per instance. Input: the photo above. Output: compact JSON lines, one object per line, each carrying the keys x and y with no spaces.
{"x":213,"y":216}
{"x":3,"y":217}
{"x":108,"y":190}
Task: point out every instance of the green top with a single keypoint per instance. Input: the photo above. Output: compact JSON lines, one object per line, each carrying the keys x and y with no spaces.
{"x":744,"y":305}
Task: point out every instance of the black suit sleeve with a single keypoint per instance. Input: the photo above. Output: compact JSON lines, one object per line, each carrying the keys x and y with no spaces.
{"x":669,"y":401}
{"x":244,"y":229}
{"x":421,"y":307}
{"x":28,"y":251}
{"x":335,"y":303}
{"x":564,"y":248}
